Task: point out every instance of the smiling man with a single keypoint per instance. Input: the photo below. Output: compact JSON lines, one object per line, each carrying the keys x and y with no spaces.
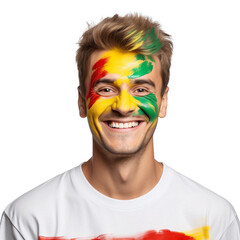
{"x":122,"y":191}
{"x":123,"y":102}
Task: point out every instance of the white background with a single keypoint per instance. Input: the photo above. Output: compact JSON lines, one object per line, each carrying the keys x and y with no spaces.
{"x":41,"y":133}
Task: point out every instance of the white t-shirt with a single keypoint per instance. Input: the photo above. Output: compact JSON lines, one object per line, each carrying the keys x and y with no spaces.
{"x":68,"y":207}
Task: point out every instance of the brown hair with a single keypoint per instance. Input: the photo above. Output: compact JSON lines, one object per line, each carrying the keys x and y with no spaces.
{"x":123,"y":32}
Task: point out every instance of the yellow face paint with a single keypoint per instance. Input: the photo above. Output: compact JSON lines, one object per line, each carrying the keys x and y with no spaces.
{"x":126,"y":65}
{"x":121,"y":63}
{"x":124,"y":101}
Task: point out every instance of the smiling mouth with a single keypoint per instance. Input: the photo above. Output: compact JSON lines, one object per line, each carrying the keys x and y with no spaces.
{"x":122,"y":125}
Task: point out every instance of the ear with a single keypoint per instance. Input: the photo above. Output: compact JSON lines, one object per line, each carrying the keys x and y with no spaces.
{"x":81,"y":105}
{"x":164,"y":102}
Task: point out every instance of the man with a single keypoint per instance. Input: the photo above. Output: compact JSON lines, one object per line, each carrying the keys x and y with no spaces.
{"x":122,"y":192}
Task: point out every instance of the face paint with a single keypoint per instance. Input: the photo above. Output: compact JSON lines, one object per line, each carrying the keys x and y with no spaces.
{"x":127,"y":66}
{"x":148,"y":106}
{"x":125,"y":100}
{"x":143,"y":69}
{"x":98,"y":72}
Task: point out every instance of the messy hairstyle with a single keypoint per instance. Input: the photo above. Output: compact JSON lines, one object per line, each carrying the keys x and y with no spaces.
{"x":133,"y":33}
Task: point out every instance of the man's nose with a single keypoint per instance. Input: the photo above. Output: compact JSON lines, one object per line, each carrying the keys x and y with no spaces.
{"x":125,"y":103}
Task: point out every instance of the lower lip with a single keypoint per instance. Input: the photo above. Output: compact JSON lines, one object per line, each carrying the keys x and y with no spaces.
{"x":124,"y":129}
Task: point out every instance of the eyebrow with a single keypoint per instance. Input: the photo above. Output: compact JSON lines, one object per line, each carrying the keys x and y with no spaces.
{"x":137,"y":81}
{"x":144,"y":81}
{"x":104,"y":80}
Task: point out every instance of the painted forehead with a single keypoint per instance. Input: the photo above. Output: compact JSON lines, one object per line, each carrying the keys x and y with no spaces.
{"x":126,"y":64}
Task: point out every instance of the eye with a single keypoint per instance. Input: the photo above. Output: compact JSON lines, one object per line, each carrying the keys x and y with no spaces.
{"x":141,"y":90}
{"x":106,"y":91}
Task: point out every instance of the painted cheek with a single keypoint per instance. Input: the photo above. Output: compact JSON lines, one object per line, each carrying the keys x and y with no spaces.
{"x":148,"y":106}
{"x":98,"y":72}
{"x":97,"y":109}
{"x":123,"y":102}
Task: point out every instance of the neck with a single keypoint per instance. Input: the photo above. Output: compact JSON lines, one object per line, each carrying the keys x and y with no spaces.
{"x":123,"y":176}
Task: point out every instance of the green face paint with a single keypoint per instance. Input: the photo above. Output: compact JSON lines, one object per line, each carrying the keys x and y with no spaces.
{"x":151,"y":59}
{"x":143,"y":68}
{"x":148,"y":106}
{"x":140,"y":57}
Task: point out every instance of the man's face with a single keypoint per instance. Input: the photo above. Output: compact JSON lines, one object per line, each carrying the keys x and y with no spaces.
{"x":123,"y":99}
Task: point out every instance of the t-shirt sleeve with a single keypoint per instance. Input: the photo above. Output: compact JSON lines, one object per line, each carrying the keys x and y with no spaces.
{"x":233,"y":231}
{"x":7,"y":230}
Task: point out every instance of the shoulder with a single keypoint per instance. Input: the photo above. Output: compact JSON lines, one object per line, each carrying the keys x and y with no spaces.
{"x":198,"y":199}
{"x":42,"y":198}
{"x":188,"y":188}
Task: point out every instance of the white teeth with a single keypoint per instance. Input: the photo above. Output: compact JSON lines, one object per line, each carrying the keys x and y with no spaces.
{"x":135,"y":124}
{"x":122,"y":125}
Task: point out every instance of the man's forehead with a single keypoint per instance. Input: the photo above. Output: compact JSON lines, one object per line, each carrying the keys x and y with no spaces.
{"x":95,"y":56}
{"x":111,"y":53}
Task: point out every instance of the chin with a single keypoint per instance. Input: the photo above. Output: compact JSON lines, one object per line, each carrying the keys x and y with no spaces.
{"x":126,"y":148}
{"x":122,"y":150}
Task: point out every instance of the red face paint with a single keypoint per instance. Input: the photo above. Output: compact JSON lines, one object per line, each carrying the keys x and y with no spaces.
{"x":98,"y":72}
{"x":149,"y":235}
